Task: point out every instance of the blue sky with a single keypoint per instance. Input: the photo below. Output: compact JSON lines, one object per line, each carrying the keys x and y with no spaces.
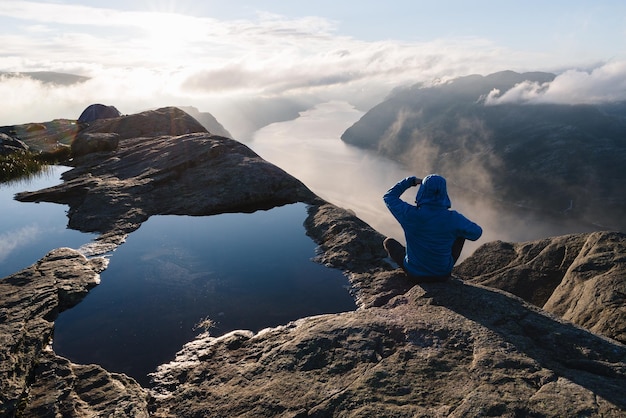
{"x":210,"y":54}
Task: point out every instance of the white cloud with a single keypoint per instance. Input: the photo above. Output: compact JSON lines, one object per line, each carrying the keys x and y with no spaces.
{"x":26,"y":100}
{"x":112,"y":38}
{"x":606,"y":83}
{"x":215,"y":63}
{"x":139,"y":60}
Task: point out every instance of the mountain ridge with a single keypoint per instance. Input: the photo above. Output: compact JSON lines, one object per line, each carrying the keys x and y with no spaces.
{"x":51,"y":77}
{"x":556,"y":158}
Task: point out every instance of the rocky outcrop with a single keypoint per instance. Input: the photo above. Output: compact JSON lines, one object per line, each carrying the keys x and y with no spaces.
{"x":61,"y":388}
{"x":10,"y":145}
{"x":349,"y":244}
{"x":31,"y":300}
{"x":194,"y":174}
{"x":440,"y":349}
{"x":207,"y":120}
{"x":578,"y":277}
{"x":449,"y":349}
{"x":63,"y":132}
{"x":164,"y":121}
{"x":87,"y":143}
{"x":54,"y":135}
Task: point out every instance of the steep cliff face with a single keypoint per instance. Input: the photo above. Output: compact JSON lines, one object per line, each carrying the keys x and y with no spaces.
{"x":563,"y":159}
{"x":207,"y":120}
{"x":445,"y":349}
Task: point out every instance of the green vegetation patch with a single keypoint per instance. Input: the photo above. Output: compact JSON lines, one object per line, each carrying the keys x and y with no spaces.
{"x":21,"y":164}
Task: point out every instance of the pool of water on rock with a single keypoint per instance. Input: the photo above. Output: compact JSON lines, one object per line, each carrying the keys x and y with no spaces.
{"x":243,"y":271}
{"x":28,"y":231}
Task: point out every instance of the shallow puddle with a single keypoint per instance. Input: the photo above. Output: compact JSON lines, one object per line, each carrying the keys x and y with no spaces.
{"x":243,"y":271}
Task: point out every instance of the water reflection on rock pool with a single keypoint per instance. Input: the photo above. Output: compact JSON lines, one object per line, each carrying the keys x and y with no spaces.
{"x":28,"y":231}
{"x":243,"y":271}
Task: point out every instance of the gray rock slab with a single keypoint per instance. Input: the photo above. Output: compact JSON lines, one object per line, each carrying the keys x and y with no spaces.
{"x":579,"y":277}
{"x":31,"y":299}
{"x":451,"y":349}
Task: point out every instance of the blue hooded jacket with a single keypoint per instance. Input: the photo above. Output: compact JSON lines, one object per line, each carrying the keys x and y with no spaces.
{"x":430,"y":227}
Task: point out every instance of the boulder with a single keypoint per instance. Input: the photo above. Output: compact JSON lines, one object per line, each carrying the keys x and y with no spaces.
{"x":579,"y":277}
{"x":10,"y":145}
{"x":86,"y":143}
{"x":98,"y":111}
{"x":169,"y":121}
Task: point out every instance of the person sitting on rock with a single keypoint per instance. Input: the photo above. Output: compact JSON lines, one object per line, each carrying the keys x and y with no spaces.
{"x":434,"y":234}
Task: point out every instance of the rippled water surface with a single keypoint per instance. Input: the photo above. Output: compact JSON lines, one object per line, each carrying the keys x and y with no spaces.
{"x":243,"y":271}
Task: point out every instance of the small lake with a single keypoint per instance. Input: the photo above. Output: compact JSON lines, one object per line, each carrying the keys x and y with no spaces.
{"x":243,"y":271}
{"x":28,"y":231}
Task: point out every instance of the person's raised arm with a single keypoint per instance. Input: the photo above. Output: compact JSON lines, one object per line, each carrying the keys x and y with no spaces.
{"x":400,"y":187}
{"x":397,"y":206}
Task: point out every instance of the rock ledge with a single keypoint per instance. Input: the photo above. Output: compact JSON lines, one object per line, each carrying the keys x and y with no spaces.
{"x":450,"y":349}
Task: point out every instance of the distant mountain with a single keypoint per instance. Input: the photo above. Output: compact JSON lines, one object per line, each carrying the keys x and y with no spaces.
{"x":207,"y":120}
{"x":249,"y":114}
{"x":565,"y":159}
{"x":50,"y":77}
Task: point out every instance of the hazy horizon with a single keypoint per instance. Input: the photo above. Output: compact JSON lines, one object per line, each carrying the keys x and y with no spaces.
{"x":224,"y":56}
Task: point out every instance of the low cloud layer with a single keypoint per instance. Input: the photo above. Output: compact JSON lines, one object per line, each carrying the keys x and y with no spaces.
{"x":606,"y":83}
{"x":140,"y":60}
{"x":308,"y":148}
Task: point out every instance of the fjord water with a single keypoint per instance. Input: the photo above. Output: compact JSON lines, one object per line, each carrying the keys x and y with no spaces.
{"x":243,"y":271}
{"x":28,"y":231}
{"x":310,"y":149}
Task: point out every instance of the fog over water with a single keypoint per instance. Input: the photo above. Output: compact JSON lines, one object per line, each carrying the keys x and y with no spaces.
{"x":310,"y":149}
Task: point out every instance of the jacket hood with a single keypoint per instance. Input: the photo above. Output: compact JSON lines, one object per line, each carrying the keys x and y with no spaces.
{"x":433,"y":192}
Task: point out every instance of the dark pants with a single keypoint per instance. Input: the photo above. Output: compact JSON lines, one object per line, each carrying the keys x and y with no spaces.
{"x":397,"y":252}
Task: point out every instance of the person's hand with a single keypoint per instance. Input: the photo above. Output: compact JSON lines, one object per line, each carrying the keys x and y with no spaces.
{"x":417,"y":181}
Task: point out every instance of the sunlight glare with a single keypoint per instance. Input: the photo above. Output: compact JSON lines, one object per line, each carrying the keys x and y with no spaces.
{"x":170,"y":35}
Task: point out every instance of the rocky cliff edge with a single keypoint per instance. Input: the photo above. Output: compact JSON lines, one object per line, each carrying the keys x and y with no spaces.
{"x":446,"y":349}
